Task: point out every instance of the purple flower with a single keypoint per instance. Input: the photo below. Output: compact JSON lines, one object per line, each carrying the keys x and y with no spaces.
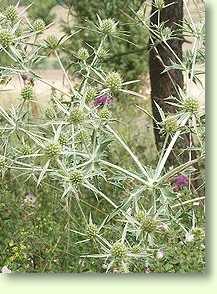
{"x":180,"y":182}
{"x":102,"y":100}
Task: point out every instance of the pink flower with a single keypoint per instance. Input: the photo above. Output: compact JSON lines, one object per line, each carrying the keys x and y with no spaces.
{"x":102,"y":100}
{"x":181,"y":182}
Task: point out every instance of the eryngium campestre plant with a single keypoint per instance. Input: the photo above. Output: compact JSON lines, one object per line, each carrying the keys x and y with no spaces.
{"x":77,"y":165}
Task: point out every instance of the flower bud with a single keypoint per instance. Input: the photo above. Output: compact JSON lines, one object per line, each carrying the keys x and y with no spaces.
{"x":136,"y":249}
{"x":149,"y":225}
{"x":114,"y":81}
{"x":107,"y":26}
{"x":39,"y":25}
{"x":119,"y":250}
{"x":90,"y":94}
{"x":27,"y":93}
{"x":6,"y":38}
{"x":198,"y":234}
{"x":76,"y":177}
{"x":53,"y":150}
{"x":63,"y":140}
{"x":170,"y":125}
{"x":52,"y":42}
{"x":191,"y":105}
{"x":92,"y":231}
{"x":11,"y":13}
{"x":83,"y":54}
{"x":159,"y":4}
{"x":50,"y":112}
{"x":76,"y":116}
{"x":26,"y":149}
{"x":105,"y":114}
{"x":82,"y":136}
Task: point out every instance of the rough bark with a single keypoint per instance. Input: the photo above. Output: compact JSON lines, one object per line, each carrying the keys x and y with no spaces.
{"x":161,"y":84}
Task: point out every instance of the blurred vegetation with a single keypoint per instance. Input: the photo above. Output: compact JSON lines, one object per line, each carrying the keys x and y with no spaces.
{"x":126,"y":57}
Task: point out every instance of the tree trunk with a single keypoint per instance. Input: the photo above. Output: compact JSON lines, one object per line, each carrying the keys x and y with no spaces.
{"x":160,"y":55}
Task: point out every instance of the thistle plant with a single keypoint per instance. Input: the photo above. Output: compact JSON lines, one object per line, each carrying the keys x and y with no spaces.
{"x":66,"y":150}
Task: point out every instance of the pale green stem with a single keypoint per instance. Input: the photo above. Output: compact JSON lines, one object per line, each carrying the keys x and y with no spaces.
{"x":188,"y":201}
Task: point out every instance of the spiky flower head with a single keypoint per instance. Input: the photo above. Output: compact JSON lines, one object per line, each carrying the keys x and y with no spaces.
{"x":159,"y":4}
{"x":39,"y":25}
{"x":107,"y":26}
{"x":90,"y":94}
{"x":103,"y":53}
{"x":27,"y":93}
{"x":6,"y":38}
{"x":199,"y":234}
{"x":63,"y":139}
{"x":26,"y":149}
{"x":105,"y":114}
{"x":114,"y":81}
{"x":76,"y":177}
{"x":76,"y":116}
{"x":170,"y":125}
{"x":92,"y":231}
{"x":83,"y":54}
{"x":53,"y":150}
{"x":11,"y":13}
{"x":191,"y":105}
{"x":119,"y":250}
{"x":52,"y":42}
{"x":166,"y":33}
{"x":82,"y":136}
{"x":149,"y":225}
{"x":136,"y":249}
